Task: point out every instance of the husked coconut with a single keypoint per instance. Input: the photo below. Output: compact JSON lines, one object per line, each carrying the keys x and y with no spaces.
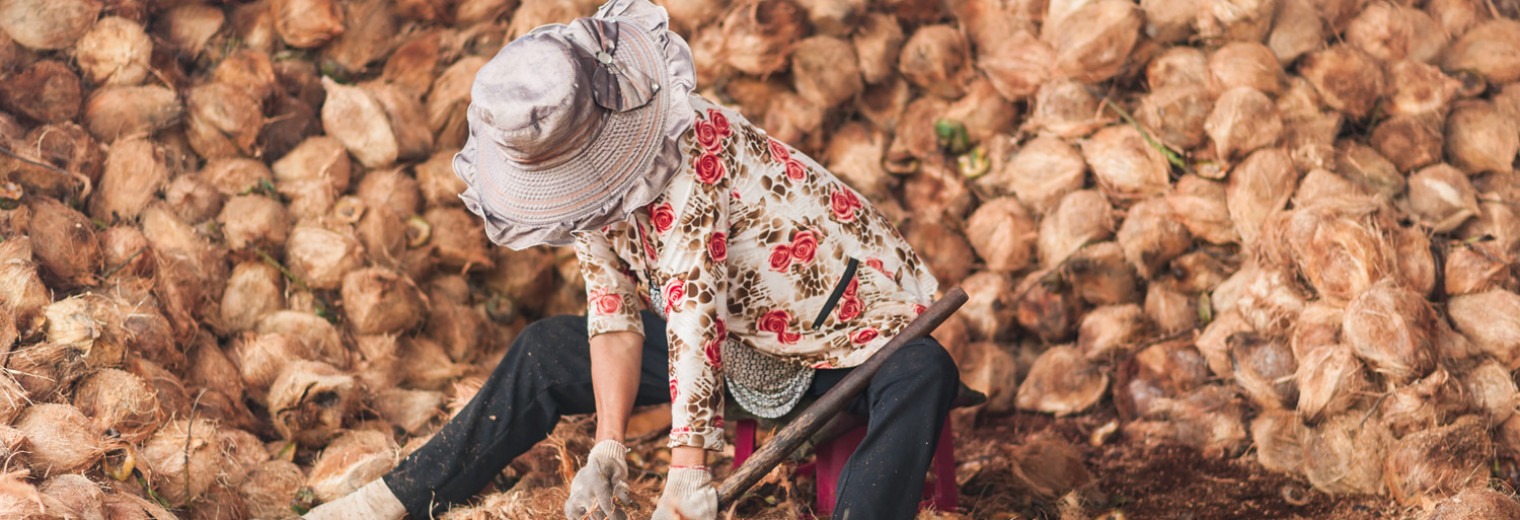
{"x":189,"y":27}
{"x":448,"y":99}
{"x":352,"y":460}
{"x":1367,"y":168}
{"x":47,"y":25}
{"x":321,"y":257}
{"x":825,"y":70}
{"x":185,"y":457}
{"x":987,"y":368}
{"x":408,"y":119}
{"x":948,"y":252}
{"x":115,"y":111}
{"x":117,"y":400}
{"x":1489,"y":318}
{"x":1480,"y":138}
{"x":223,"y":120}
{"x":460,"y":239}
{"x":1152,"y":236}
{"x":1201,"y":205}
{"x":1243,"y":120}
{"x":1442,"y":197}
{"x":1094,"y":42}
{"x":380,"y":301}
{"x":1171,"y":310}
{"x":1475,"y":503}
{"x":1347,"y":79}
{"x":411,"y":410}
{"x":1082,"y":217}
{"x":1003,"y":234}
{"x":1492,"y":49}
{"x":74,"y":496}
{"x":989,"y":311}
{"x":250,"y":70}
{"x":355,"y":118}
{"x":1042,"y":172}
{"x":1419,"y":89}
{"x":1061,"y":382}
{"x":1266,"y":296}
{"x":1409,"y":141}
{"x":1211,"y":419}
{"x":1168,"y":21}
{"x":436,"y":179}
{"x":270,"y":488}
{"x":1492,"y":391}
{"x":413,"y":64}
{"x":1235,"y":20}
{"x":878,"y":42}
{"x":1393,"y":329}
{"x":1279,"y":439}
{"x":64,"y":244}
{"x":1112,"y":330}
{"x":254,"y":221}
{"x":62,"y":440}
{"x":1473,"y":268}
{"x":936,"y":58}
{"x":854,"y":154}
{"x":1246,"y":64}
{"x":193,"y":199}
{"x":1298,"y":29}
{"x":22,"y":293}
{"x":307,"y":23}
{"x":937,"y":190}
{"x":1309,"y":131}
{"x":1317,"y":326}
{"x":392,"y":188}
{"x":758,"y":37}
{"x":1429,"y":465}
{"x":1345,"y":455}
{"x":1330,"y":380}
{"x":1259,"y":187}
{"x":1046,"y":307}
{"x":1391,"y":33}
{"x":309,"y":400}
{"x":313,"y":175}
{"x":320,"y":338}
{"x":983,"y":112}
{"x":1066,"y":109}
{"x":1339,"y":254}
{"x":1100,"y":275}
{"x":1018,"y":64}
{"x":115,"y":51}
{"x":135,"y":172}
{"x":428,"y":365}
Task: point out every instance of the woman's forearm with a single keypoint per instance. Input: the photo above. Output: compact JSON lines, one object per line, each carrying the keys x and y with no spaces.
{"x":615,"y":362}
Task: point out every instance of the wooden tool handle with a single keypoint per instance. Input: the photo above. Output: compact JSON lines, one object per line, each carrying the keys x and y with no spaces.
{"x":834,"y":401}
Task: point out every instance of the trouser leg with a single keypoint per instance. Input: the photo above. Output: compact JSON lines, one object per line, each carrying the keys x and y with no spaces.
{"x":905,"y":406}
{"x":545,"y":374}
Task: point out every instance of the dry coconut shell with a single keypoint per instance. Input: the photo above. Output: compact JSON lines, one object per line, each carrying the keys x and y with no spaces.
{"x":1259,"y":187}
{"x":270,"y":488}
{"x":307,"y":23}
{"x":1112,"y":330}
{"x":990,"y":313}
{"x":73,"y":496}
{"x":1489,"y":319}
{"x":825,"y":70}
{"x":1475,"y":503}
{"x":1201,"y":205}
{"x":1433,"y":464}
{"x":1345,"y":455}
{"x":117,"y":400}
{"x":459,"y":238}
{"x":1393,"y":329}
{"x":1330,"y":381}
{"x":354,"y":459}
{"x":313,"y":175}
{"x":1419,"y":89}
{"x":1279,"y":439}
{"x":1442,"y":197}
{"x":321,"y":338}
{"x":1151,"y":236}
{"x":1473,"y":268}
{"x":1246,"y":64}
{"x":223,"y":120}
{"x":410,"y":410}
{"x":1083,"y":217}
{"x":1043,"y":171}
{"x":112,"y":111}
{"x":62,"y":440}
{"x":1491,"y":49}
{"x":380,"y":301}
{"x":185,"y":458}
{"x":309,"y":400}
{"x":1480,"y":138}
{"x":1049,"y":466}
{"x":47,"y":24}
{"x":448,"y":99}
{"x":254,"y":222}
{"x":1244,"y":119}
{"x":1340,"y":255}
{"x":1347,"y":79}
{"x":135,"y":172}
{"x":1093,"y":42}
{"x":355,"y":118}
{"x":937,"y":58}
{"x":878,"y":42}
{"x":436,"y":179}
{"x":1067,"y":109}
{"x":758,"y":36}
{"x":116,"y":51}
{"x":64,"y":243}
{"x":321,"y":257}
{"x":1003,"y":234}
{"x":1047,"y":307}
{"x":22,"y":293}
{"x":1100,"y":275}
{"x":1061,"y":382}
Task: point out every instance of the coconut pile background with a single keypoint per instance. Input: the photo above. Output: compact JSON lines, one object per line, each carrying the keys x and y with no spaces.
{"x":1270,"y":239}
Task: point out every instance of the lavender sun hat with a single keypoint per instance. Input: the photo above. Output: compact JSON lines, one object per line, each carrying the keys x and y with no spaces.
{"x":573,"y":127}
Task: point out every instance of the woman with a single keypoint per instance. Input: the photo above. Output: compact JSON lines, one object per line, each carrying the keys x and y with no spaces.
{"x":762,"y":273}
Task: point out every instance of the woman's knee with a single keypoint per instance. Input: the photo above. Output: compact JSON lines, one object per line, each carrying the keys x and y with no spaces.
{"x":926,"y":362}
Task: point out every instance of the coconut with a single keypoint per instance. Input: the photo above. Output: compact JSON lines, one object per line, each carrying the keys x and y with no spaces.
{"x":22,"y":293}
{"x":89,"y":324}
{"x":1344,"y":455}
{"x":309,"y":400}
{"x":1442,"y":197}
{"x":1393,"y":329}
{"x":1260,"y":186}
{"x":936,"y":58}
{"x":1323,"y":187}
{"x":408,"y":119}
{"x":1419,"y":89}
{"x":1017,"y":64}
{"x":376,"y":366}
{"x":391,"y":188}
{"x":114,"y":52}
{"x":123,"y":506}
{"x":254,"y":290}
{"x":211,"y":369}
{"x":1049,"y":466}
{"x":1474,"y":268}
{"x":1318,"y":325}
{"x":854,"y":155}
{"x":1067,"y":109}
{"x":1492,"y":391}
{"x":525,"y":277}
{"x":1061,"y":382}
{"x":190,"y":269}
{"x":62,"y":440}
{"x":254,"y":221}
{"x":1043,"y":171}
{"x":1172,"y":311}
{"x":947,"y":251}
{"x":436,"y":179}
{"x":115,"y":111}
{"x":321,"y":257}
{"x":380,"y":301}
{"x":1100,"y":275}
{"x":411,"y":410}
{"x":1246,"y":64}
{"x":185,"y":458}
{"x":1200,"y":271}
{"x":223,"y":121}
{"x":369,"y":36}
{"x":1176,"y":114}
{"x":359,"y":121}
{"x":193,"y":199}
{"x":1161,"y":372}
{"x":989,"y":310}
{"x":1330,"y":381}
{"x":250,"y":70}
{"x":75,"y":496}
{"x":1112,"y":330}
{"x":1003,"y":234}
{"x":172,"y":397}
{"x":1236,"y":20}
{"x":917,"y":137}
{"x":1430,"y":465}
{"x":270,"y":488}
{"x":1094,"y":41}
{"x":261,"y":357}
{"x":47,"y":25}
{"x":758,"y":37}
{"x":428,"y":365}
{"x":1151,"y":236}
{"x":447,"y":100}
{"x":983,"y":112}
{"x":312,"y":175}
{"x":1179,"y":66}
{"x":290,"y":122}
{"x":1347,"y":79}
{"x":1492,"y":49}
{"x":253,"y":23}
{"x":1244,"y":119}
{"x":1267,"y":297}
{"x":321,"y":338}
{"x":1308,"y":132}
{"x":1489,"y":318}
{"x":1201,"y":206}
{"x":1481,"y":138}
{"x":460,"y":329}
{"x":244,"y":452}
{"x":1475,"y":503}
{"x":1392,"y":33}
{"x":411,"y":67}
{"x":21,"y":499}
{"x":1168,"y":21}
{"x":307,"y":23}
{"x":1083,"y":217}
{"x":1368,"y":169}
{"x":1046,"y":307}
{"x":1409,"y":141}
{"x":1278,"y":435}
{"x":135,"y":171}
{"x":1297,"y":30}
{"x":878,"y":42}
{"x":1339,"y":255}
{"x":354,"y":459}
{"x":188,"y":28}
{"x":825,"y":70}
{"x":1210,"y":419}
{"x":1213,"y":343}
{"x":793,"y":118}
{"x":382,"y":231}
{"x":1413,"y":258}
{"x":119,"y":401}
{"x":989,"y":369}
{"x":66,"y":245}
{"x":460,"y":239}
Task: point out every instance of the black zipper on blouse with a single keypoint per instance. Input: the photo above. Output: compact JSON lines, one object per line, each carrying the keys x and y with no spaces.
{"x":844,"y":281}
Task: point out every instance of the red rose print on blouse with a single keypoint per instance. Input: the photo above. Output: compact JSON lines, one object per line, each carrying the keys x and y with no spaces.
{"x":605,"y":303}
{"x":714,"y":348}
{"x":849,"y":308}
{"x":804,"y":246}
{"x":918,"y":309}
{"x":662,"y":217}
{"x":707,"y":135}
{"x":675,"y":291}
{"x":781,"y":258}
{"x":719,"y":122}
{"x":822,"y":365}
{"x":863,"y":336}
{"x":778,"y":152}
{"x":778,"y":321}
{"x":876,"y":264}
{"x":854,"y":285}
{"x":673,"y":390}
{"x":795,"y":170}
{"x":710,"y":168}
{"x":718,"y":422}
{"x":717,"y":246}
{"x":843,"y":204}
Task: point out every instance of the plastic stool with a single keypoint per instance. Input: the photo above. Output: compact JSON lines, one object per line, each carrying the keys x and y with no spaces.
{"x":940,"y":493}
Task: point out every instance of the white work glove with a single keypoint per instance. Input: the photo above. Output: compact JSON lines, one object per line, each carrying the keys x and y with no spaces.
{"x":604,"y":477}
{"x":689,"y":495}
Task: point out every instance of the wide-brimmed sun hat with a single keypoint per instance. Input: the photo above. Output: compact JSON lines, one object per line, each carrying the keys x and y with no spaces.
{"x":573,"y":127}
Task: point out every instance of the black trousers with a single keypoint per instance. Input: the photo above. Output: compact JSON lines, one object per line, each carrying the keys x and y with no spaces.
{"x":547,"y":373}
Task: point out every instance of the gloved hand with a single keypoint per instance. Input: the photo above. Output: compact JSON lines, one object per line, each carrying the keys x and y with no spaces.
{"x":689,"y":495}
{"x":604,"y":477}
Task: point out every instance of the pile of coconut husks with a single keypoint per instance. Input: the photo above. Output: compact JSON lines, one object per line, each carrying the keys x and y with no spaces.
{"x":238,"y":281}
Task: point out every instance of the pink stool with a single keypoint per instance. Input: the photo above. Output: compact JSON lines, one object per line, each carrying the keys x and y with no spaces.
{"x":940,"y":493}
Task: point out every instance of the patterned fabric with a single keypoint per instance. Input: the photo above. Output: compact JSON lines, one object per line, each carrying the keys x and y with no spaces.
{"x":746,"y":244}
{"x":764,"y":386}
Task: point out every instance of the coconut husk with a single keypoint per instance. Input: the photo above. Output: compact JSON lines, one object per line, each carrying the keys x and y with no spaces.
{"x":1248,"y":20}
{"x":65,"y":145}
{"x":1044,"y":171}
{"x":1318,"y":325}
{"x":307,"y":23}
{"x":190,"y":270}
{"x":351,"y":461}
{"x":369,"y":35}
{"x":321,"y":257}
{"x":211,"y":369}
{"x":309,"y":400}
{"x":825,"y":70}
{"x":1430,"y":465}
{"x":1393,"y":329}
{"x":1082,"y":217}
{"x":1442,"y":197}
{"x":1323,"y":187}
{"x":1048,"y":466}
{"x":1475,"y":268}
{"x":1246,"y":64}
{"x":21,"y":499}
{"x":1409,"y":141}
{"x":1161,"y":372}
{"x":1172,"y":311}
{"x":878,"y":42}
{"x":1347,"y":79}
{"x":270,"y":488}
{"x":758,"y":36}
{"x":193,"y":199}
{"x":66,"y":246}
{"x":983,"y":112}
{"x":312,"y":175}
{"x":1243,"y":120}
{"x":73,"y":496}
{"x":1179,"y":66}
{"x":1061,"y":382}
{"x":1343,"y":455}
{"x":321,"y":338}
{"x":989,"y":310}
{"x":355,"y":118}
{"x":988,"y":368}
{"x":1169,"y":21}
{"x":127,"y":253}
{"x":460,"y":329}
{"x":91,"y":325}
{"x":1213,"y":343}
{"x":1003,"y":234}
{"x":447,"y":100}
{"x":377,"y":365}
{"x":1046,"y":307}
{"x":1210,"y":419}
{"x":43,"y":25}
{"x":223,"y":120}
{"x":436,"y":179}
{"x":1481,"y":138}
{"x":253,"y":23}
{"x":408,"y":119}
{"x":1368,"y":169}
{"x":412,"y":66}
{"x":13,"y":399}
{"x":1176,"y":114}
{"x":946,"y":250}
{"x":250,"y":70}
{"x":525,"y":277}
{"x":380,"y":301}
{"x":1475,"y":503}
{"x":220,"y":503}
{"x":1339,"y":254}
{"x":188,"y":28}
{"x":1488,"y":318}
{"x":22,"y":293}
{"x":254,"y":290}
{"x":937,"y":58}
{"x":1152,"y":236}
{"x":254,"y":221}
{"x":917,"y":137}
{"x":1308,"y":131}
{"x":123,"y":506}
{"x":1201,"y":206}
{"x":459,"y":238}
{"x":1279,"y":438}
{"x":1112,"y":331}
{"x":117,"y":400}
{"x":261,"y":357}
{"x":115,"y":111}
{"x":1258,"y":188}
{"x":429,"y":366}
{"x":62,"y":440}
{"x":1330,"y":381}
{"x":793,"y":119}
{"x":244,"y":452}
{"x":114,"y":52}
{"x":290,"y":122}
{"x":1419,"y":89}
{"x":1066,"y":109}
{"x":1200,"y":271}
{"x":1298,"y":29}
{"x":1392,"y":33}
{"x":1100,"y":275}
{"x":1416,"y":264}
{"x":1498,"y":220}
{"x":411,"y":410}
{"x":185,"y":458}
{"x":383,"y":232}
{"x":1097,"y":51}
{"x":1016,"y":63}
{"x":398,"y":191}
{"x":1267,"y":297}
{"x":1492,"y":391}
{"x":172,"y":397}
{"x":1492,"y":49}
{"x":854,"y":155}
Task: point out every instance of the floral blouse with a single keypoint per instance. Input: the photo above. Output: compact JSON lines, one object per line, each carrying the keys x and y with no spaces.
{"x":754,"y":243}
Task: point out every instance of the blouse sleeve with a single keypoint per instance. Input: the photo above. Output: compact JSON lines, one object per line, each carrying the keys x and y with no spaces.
{"x":610,"y":302}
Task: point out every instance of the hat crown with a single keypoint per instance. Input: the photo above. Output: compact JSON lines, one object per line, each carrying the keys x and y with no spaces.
{"x":534,"y":100}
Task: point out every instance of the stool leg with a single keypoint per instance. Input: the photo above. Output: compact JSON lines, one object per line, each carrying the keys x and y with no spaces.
{"x":831,"y":458}
{"x":946,"y":496}
{"x":744,"y":441}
